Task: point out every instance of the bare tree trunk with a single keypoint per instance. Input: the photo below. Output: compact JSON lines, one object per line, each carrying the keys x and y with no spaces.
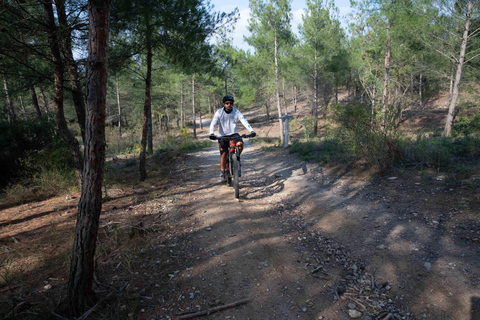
{"x":193,"y":107}
{"x":119,"y":111}
{"x":147,"y":113}
{"x":420,"y":89}
{"x":295,"y":98}
{"x":315,"y":95}
{"x":79,"y":290}
{"x":209,"y":106}
{"x":280,"y":121}
{"x":11,"y":110}
{"x":23,"y":108}
{"x":67,"y":136}
{"x":66,"y":42}
{"x":200,"y":116}
{"x":386,"y":77}
{"x":267,"y":107}
{"x":35,"y":104}
{"x":44,"y":100}
{"x":284,"y":96}
{"x":182,"y":114}
{"x":458,"y":75}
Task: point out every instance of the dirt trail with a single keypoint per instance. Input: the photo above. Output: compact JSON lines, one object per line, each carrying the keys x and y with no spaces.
{"x":303,"y":242}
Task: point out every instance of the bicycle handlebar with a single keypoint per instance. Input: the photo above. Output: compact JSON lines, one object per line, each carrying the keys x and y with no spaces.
{"x":232,"y":138}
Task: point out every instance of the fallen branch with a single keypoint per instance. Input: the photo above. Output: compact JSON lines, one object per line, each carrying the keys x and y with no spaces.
{"x":212,"y":310}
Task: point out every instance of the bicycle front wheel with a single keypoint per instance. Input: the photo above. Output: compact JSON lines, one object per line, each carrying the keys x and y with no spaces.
{"x":229,"y":173}
{"x":235,"y":167}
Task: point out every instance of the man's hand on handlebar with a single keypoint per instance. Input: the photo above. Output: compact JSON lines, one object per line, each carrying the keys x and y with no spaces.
{"x":213,"y":137}
{"x":252,"y":134}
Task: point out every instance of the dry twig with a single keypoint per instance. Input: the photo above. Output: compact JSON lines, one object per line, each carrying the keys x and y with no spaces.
{"x":215,"y":309}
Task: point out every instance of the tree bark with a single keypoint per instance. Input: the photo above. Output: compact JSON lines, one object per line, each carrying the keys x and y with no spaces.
{"x":315,"y":94}
{"x":182,"y":114}
{"x":386,"y":77}
{"x":44,"y":100}
{"x":147,"y":107}
{"x":23,"y":108}
{"x":280,"y":121}
{"x":11,"y":111}
{"x":79,"y":290}
{"x":458,"y":75}
{"x":193,"y":106}
{"x":71,"y":66}
{"x":58,"y":67}
{"x":35,"y":104}
{"x":119,"y":112}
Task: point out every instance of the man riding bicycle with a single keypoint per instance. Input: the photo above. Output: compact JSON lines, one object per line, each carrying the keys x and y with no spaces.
{"x":227,"y":118}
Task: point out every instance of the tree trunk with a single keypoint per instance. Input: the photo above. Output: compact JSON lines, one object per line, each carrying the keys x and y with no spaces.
{"x":35,"y":104}
{"x":182,"y":115}
{"x":280,"y":121}
{"x":23,"y":108}
{"x":72,"y":143}
{"x":147,"y":114}
{"x":119,"y":112}
{"x":79,"y":290}
{"x":295,"y":98}
{"x":193,"y":106}
{"x":420,"y":89}
{"x":226,"y":87}
{"x":11,"y":111}
{"x":458,"y":75}
{"x":71,"y":65}
{"x":209,"y":107}
{"x":315,"y":95}
{"x":386,"y":78}
{"x":200,"y":116}
{"x":44,"y":100}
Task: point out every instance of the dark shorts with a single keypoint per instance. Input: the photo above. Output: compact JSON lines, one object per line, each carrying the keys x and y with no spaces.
{"x":224,"y":145}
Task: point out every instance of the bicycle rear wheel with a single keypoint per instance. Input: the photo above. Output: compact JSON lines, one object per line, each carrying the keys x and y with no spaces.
{"x":235,"y":168}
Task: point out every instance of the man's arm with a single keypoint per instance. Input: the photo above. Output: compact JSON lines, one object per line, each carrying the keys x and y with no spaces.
{"x":244,"y":122}
{"x":213,"y":123}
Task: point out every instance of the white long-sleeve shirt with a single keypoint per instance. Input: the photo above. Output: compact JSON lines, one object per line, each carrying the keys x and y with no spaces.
{"x":227,"y":122}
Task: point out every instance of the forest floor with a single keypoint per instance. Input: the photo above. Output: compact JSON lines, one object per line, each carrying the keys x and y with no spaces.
{"x":303,"y":241}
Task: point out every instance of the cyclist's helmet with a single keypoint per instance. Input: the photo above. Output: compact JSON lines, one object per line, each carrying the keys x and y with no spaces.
{"x":228,"y":98}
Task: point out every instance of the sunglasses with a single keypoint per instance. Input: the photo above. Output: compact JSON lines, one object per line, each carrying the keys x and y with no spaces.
{"x":228,"y":103}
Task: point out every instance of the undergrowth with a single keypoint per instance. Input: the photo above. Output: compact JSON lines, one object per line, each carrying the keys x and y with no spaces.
{"x":359,"y":135}
{"x":50,"y":172}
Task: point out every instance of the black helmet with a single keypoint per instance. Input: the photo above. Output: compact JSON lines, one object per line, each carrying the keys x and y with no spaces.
{"x":228,"y":98}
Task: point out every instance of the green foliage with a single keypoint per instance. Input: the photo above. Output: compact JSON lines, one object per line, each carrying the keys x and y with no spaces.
{"x":184,"y":143}
{"x":363,"y":132}
{"x":308,"y":123}
{"x":466,"y":125}
{"x":326,"y":151}
{"x":28,"y":147}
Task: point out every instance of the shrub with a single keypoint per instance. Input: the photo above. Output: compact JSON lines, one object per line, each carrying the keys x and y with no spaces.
{"x":363,"y":132}
{"x":21,"y":141}
{"x":466,"y":125}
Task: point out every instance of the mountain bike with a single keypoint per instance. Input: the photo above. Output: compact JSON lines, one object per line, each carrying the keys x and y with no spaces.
{"x":233,"y":166}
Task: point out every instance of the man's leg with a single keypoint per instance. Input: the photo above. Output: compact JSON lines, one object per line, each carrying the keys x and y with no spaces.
{"x":240,"y":146}
{"x":223,"y":161}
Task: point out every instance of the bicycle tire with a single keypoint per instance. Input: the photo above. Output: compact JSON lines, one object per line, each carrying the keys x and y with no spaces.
{"x":228,"y":173}
{"x":235,"y":176}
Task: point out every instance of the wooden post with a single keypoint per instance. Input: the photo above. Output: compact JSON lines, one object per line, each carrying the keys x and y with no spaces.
{"x":286,"y":117}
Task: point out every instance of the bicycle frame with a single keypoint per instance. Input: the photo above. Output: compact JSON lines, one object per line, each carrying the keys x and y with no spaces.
{"x":232,"y":165}
{"x":232,"y":151}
